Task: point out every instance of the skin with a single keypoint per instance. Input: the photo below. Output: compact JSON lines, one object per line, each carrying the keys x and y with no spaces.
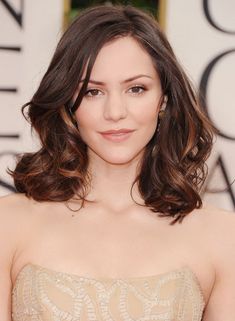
{"x":116,"y":105}
{"x":115,"y":237}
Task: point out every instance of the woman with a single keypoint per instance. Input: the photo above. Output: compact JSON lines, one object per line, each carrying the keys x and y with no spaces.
{"x":108,"y":223}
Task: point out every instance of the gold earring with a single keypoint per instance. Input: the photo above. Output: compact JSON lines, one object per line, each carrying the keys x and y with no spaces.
{"x":154,"y":151}
{"x":161,"y":114}
{"x":163,"y":107}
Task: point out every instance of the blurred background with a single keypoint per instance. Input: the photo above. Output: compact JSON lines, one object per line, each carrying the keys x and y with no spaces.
{"x":77,"y":5}
{"x":202,"y":34}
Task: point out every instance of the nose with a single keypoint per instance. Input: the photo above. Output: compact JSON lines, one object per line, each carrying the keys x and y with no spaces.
{"x":115,"y":107}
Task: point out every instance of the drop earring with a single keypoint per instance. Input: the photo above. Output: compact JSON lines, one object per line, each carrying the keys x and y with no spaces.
{"x":162,"y":111}
{"x":160,"y":117}
{"x":163,"y":107}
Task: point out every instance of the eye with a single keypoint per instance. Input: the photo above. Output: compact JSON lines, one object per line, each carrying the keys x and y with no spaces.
{"x":90,"y":93}
{"x":137,"y":89}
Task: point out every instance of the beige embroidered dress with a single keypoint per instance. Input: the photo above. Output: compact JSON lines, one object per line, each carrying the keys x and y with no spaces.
{"x":42,"y":294}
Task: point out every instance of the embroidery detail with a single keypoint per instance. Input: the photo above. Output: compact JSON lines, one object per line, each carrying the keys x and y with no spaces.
{"x":41,"y":294}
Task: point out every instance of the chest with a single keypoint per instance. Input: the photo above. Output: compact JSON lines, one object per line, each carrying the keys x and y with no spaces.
{"x":107,"y":245}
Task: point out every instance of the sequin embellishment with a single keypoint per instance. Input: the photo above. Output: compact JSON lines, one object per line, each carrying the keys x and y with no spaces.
{"x":41,"y":294}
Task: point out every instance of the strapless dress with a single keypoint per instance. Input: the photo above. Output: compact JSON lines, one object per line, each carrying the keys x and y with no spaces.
{"x":43,"y":294}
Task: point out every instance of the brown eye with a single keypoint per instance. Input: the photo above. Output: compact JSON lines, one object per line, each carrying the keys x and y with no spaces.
{"x":92,"y":92}
{"x":137,"y":89}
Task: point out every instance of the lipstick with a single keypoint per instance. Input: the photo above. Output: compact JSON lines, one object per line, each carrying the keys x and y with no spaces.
{"x":117,"y":135}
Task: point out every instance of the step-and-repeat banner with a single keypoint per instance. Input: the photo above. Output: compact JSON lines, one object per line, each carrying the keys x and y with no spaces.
{"x":29,"y":32}
{"x":202,"y":34}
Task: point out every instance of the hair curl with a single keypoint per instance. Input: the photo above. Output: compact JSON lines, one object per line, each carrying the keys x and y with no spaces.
{"x":169,"y":181}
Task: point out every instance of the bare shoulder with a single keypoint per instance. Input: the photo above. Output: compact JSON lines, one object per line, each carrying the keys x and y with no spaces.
{"x":213,"y":218}
{"x":218,"y":218}
{"x":13,"y":222}
{"x":10,"y":205}
{"x":219,"y":225}
{"x":15,"y":214}
{"x":9,"y":233}
{"x":13,"y":206}
{"x":214,"y":228}
{"x":14,"y":209}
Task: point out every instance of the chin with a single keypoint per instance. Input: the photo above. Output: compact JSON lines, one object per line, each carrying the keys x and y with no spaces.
{"x":119,"y":159}
{"x":116,"y":156}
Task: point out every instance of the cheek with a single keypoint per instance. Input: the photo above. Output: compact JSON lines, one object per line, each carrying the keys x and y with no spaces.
{"x":147,"y":112}
{"x":86,"y":121}
{"x":85,"y":118}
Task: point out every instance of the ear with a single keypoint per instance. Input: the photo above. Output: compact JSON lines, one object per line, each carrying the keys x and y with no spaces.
{"x":164,"y":103}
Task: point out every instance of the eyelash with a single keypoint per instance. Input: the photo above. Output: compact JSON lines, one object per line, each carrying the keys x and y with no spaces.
{"x":94,"y":89}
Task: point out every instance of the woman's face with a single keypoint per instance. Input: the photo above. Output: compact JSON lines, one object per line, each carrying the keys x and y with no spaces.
{"x":114,"y":102}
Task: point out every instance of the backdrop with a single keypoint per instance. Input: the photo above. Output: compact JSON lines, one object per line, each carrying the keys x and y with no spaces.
{"x":202,"y":34}
{"x":29,"y":31}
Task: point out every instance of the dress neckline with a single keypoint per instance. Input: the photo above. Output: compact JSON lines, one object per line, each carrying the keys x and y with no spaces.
{"x":184,"y":269}
{"x":50,"y":270}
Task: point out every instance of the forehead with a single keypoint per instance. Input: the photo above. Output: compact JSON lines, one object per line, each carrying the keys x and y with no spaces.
{"x":122,"y":58}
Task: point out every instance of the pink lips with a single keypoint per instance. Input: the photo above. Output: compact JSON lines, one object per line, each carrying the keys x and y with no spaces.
{"x":117,"y":135}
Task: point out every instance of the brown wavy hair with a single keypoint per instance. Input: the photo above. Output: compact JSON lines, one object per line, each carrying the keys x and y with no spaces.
{"x":171,"y":178}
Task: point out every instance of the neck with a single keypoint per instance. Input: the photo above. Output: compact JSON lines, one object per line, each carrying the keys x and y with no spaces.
{"x":111,"y":183}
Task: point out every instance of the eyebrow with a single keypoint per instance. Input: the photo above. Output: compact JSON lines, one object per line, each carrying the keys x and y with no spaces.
{"x":123,"y":82}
